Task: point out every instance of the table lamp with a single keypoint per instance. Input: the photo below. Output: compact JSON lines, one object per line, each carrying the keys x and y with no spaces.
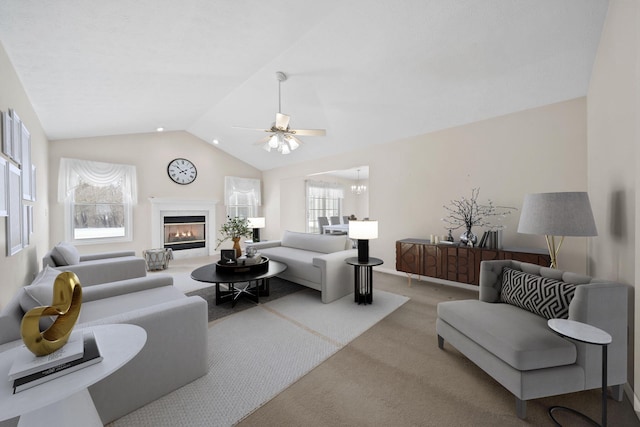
{"x":363,"y":231}
{"x":256,"y":224}
{"x":557,"y":214}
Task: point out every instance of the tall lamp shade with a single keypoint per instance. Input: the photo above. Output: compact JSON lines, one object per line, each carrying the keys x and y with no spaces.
{"x":363,"y":231}
{"x":557,"y":214}
{"x":256,"y":224}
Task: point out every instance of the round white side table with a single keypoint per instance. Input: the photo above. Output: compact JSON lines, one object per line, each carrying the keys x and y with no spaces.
{"x":590,"y":335}
{"x":65,"y":401}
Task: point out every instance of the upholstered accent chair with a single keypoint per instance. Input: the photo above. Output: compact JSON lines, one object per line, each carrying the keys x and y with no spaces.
{"x":505,"y":331}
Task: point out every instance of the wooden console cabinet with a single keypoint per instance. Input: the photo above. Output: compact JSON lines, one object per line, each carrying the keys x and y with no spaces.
{"x":454,"y":262}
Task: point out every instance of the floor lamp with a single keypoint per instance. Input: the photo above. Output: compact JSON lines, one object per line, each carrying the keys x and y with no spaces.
{"x":557,"y":215}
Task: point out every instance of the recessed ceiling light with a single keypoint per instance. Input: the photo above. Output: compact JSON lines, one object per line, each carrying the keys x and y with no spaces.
{"x":215,"y":142}
{"x":159,"y":129}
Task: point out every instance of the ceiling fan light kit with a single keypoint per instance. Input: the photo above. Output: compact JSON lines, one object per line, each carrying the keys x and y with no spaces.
{"x":282,"y":137}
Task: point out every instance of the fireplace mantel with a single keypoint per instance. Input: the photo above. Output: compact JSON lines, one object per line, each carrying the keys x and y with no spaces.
{"x":165,"y":206}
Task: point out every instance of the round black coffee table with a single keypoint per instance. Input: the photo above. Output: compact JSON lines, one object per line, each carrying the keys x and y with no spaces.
{"x":254,"y":285}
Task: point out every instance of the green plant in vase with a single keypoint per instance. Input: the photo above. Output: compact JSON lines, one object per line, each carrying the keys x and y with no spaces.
{"x":234,"y":229}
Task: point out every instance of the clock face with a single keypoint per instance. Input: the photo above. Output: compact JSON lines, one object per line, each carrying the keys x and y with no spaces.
{"x":182,"y":171}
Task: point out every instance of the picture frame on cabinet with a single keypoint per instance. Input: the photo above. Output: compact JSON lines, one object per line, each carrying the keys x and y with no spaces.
{"x":4,"y":183}
{"x":15,"y":213}
{"x":7,"y":134}
{"x":16,"y":142}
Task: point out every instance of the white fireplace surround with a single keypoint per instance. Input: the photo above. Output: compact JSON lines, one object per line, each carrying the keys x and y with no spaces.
{"x":164,"y":206}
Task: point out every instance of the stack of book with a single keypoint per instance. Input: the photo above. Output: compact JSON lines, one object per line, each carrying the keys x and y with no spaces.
{"x":29,"y":370}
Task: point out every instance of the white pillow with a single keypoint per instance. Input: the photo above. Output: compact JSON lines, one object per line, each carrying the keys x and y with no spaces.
{"x":65,"y":254}
{"x":40,"y":291}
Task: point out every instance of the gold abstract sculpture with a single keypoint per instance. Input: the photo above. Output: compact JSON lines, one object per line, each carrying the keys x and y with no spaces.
{"x":67,"y":299}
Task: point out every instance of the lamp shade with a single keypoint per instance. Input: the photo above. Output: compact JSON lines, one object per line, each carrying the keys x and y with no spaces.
{"x":256,"y":222}
{"x":557,"y":214}
{"x":364,"y":230}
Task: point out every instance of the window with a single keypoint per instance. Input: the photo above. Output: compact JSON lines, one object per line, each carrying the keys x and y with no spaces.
{"x":323,"y":199}
{"x":98,"y":200}
{"x":242,"y":196}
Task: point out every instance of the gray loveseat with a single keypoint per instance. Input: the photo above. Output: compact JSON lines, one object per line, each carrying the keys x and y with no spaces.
{"x":516,"y":347}
{"x":175,"y":352}
{"x":314,"y":260}
{"x":96,"y":268}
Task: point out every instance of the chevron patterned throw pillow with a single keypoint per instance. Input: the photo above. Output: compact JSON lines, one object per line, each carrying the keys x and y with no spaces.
{"x":545,"y":297}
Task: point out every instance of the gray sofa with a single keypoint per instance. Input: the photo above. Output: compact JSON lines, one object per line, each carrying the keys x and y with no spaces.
{"x":313,"y":260}
{"x":175,"y":352}
{"x":516,"y":347}
{"x":96,"y":268}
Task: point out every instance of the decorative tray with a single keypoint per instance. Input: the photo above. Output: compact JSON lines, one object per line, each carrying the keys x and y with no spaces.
{"x":260,"y":267}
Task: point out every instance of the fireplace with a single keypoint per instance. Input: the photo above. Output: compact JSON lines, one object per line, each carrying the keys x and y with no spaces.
{"x":184,"y":232}
{"x":187,"y":226}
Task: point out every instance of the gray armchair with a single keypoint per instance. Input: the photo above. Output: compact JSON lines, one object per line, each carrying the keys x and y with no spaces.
{"x":517,"y":348}
{"x":97,"y":268}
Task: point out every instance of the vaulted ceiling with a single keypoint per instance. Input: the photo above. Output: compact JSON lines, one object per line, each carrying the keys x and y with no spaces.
{"x":368,"y":71}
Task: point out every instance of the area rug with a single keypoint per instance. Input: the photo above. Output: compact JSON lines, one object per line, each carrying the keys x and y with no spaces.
{"x":277,"y":289}
{"x":258,"y":352}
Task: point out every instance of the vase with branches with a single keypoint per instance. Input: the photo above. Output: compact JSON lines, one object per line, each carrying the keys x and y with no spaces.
{"x":234,"y":229}
{"x":468,"y":213}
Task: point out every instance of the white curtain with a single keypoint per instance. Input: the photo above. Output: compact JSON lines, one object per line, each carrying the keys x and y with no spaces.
{"x":98,"y":174}
{"x":325,"y":190}
{"x":245,"y":189}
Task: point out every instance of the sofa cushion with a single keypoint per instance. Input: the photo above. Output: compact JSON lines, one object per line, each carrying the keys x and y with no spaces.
{"x":543,"y":296}
{"x":40,"y":291}
{"x":299,"y":262}
{"x":516,"y":336}
{"x":322,"y":243}
{"x":65,"y":254}
{"x":125,"y":303}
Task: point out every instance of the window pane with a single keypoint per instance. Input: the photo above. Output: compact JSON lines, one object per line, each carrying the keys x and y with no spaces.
{"x":99,"y":212}
{"x":321,"y":206}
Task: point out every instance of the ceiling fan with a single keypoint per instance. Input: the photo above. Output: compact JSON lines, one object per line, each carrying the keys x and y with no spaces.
{"x":283,"y":138}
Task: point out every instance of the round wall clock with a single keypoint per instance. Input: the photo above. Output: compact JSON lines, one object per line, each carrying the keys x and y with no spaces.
{"x":182,"y":171}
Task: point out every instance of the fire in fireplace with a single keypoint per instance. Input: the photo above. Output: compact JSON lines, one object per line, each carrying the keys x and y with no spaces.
{"x":184,"y":232}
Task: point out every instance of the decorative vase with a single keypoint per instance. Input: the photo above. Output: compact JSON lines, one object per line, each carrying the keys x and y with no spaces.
{"x":236,"y":246}
{"x":467,"y":237}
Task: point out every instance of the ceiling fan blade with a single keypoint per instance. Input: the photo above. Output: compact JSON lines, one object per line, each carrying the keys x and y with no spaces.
{"x":282,"y":121}
{"x":259,"y":130}
{"x":262,"y":140}
{"x":309,"y":132}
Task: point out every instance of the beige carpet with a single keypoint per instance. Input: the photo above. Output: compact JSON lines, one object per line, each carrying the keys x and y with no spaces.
{"x":256,"y":353}
{"x":395,"y":375}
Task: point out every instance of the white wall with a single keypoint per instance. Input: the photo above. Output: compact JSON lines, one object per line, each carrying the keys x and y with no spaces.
{"x":18,"y":270}
{"x":538,"y":150}
{"x":150,"y":153}
{"x":614,"y":160}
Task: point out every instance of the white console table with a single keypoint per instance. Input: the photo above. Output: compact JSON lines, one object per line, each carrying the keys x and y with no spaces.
{"x":65,"y":401}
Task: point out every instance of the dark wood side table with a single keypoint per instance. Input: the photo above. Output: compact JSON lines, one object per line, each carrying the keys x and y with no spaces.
{"x":591,"y":335}
{"x":363,"y":284}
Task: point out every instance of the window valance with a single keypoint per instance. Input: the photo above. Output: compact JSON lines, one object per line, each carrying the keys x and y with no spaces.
{"x":246,"y":189}
{"x":327,"y":190}
{"x":98,"y":174}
